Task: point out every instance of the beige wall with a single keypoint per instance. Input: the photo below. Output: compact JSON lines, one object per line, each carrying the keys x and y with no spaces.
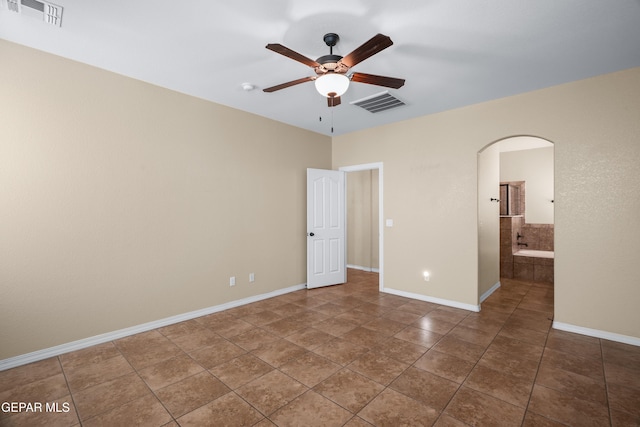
{"x":430,"y":191}
{"x":535,"y":167}
{"x":362,"y":219}
{"x":123,"y":203}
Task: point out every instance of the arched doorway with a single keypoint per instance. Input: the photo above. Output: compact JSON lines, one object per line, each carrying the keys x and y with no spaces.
{"x":517,"y":215}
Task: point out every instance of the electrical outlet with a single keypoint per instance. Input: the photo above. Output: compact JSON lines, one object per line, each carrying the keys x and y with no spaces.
{"x":232,"y":281}
{"x":252,"y":277}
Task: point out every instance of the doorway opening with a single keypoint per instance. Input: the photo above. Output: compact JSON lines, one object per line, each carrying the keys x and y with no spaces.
{"x":364,"y":205}
{"x":515,"y":238}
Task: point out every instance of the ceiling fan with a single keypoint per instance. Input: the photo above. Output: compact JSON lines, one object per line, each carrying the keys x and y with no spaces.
{"x":331,"y":77}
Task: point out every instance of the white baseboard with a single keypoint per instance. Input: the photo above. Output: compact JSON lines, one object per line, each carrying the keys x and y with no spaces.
{"x":448,"y":303}
{"x":46,"y":353}
{"x":596,"y":333}
{"x":489,"y":292}
{"x":359,"y":267}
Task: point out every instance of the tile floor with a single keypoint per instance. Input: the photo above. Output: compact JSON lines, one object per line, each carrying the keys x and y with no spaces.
{"x":343,"y":355}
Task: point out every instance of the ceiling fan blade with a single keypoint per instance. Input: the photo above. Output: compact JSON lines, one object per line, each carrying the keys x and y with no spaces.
{"x":372,"y":79}
{"x":376,"y":44}
{"x":333,"y":101}
{"x":288,"y":84}
{"x":283,"y":50}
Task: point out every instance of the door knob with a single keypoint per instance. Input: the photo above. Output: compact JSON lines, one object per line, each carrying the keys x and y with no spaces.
{"x":311,"y":234}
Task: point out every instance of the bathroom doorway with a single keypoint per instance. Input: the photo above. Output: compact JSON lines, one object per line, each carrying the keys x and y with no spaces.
{"x":510,"y":236}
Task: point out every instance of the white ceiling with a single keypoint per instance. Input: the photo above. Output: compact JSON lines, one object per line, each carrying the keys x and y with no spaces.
{"x":452,"y":53}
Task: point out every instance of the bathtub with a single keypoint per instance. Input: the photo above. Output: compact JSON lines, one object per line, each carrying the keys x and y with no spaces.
{"x":534,"y":253}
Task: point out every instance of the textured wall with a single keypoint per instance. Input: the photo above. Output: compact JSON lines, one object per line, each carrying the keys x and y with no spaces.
{"x":122,"y":203}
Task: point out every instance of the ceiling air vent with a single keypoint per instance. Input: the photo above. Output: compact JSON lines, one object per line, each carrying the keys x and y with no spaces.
{"x":379,"y":102}
{"x":45,"y":11}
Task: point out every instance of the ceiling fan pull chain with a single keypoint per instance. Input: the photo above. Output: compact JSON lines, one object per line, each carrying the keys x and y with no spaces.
{"x":331,"y":121}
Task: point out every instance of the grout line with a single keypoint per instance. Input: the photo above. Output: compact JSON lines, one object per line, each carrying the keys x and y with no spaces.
{"x":66,"y":380}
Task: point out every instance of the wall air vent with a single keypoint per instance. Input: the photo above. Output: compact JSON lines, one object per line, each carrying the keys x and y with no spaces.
{"x":47,"y":12}
{"x":379,"y":102}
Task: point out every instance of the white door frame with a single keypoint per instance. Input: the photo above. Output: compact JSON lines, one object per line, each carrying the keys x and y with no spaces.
{"x":379,"y":167}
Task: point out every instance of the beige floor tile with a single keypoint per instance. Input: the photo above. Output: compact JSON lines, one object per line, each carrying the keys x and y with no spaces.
{"x":567,"y":409}
{"x":88,"y":375}
{"x":89,"y":356}
{"x":341,"y":351}
{"x":271,"y":391}
{"x":378,"y":367}
{"x":177,"y":330}
{"x":588,"y":367}
{"x":620,"y":353}
{"x":222,"y":351}
{"x":228,"y":410}
{"x":624,"y":399}
{"x":516,"y":347}
{"x":475,"y":408}
{"x":106,"y":396}
{"x":279,"y":352}
{"x":425,"y":387}
{"x":401,"y":350}
{"x":241,"y":370}
{"x":196,"y":340}
{"x":191,"y":393}
{"x":253,"y":339}
{"x":336,"y":326}
{"x":23,"y":375}
{"x":146,"y":410}
{"x":472,"y":335}
{"x":262,"y":318}
{"x":419,"y":336}
{"x":391,"y":408}
{"x":500,"y":385}
{"x":310,"y":338}
{"x":310,"y":369}
{"x":365,"y":337}
{"x":580,"y":345}
{"x":147,"y":349}
{"x":438,"y":326}
{"x":461,"y":349}
{"x":349,"y":389}
{"x":576,"y":385}
{"x":284,"y":327}
{"x":310,"y":410}
{"x":42,"y":390}
{"x":169,"y":371}
{"x":510,"y":363}
{"x":445,"y":365}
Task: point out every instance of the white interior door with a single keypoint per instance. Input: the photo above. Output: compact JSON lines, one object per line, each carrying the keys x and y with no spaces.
{"x":326,"y":228}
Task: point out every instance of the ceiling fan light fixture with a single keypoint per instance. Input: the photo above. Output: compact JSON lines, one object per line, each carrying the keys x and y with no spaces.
{"x":332,"y":83}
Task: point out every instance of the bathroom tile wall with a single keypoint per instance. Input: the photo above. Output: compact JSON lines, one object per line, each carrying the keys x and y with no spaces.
{"x":537,"y":236}
{"x":507,"y":240}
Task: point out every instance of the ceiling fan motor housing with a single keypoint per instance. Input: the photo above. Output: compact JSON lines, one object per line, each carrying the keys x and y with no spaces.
{"x":329,"y":62}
